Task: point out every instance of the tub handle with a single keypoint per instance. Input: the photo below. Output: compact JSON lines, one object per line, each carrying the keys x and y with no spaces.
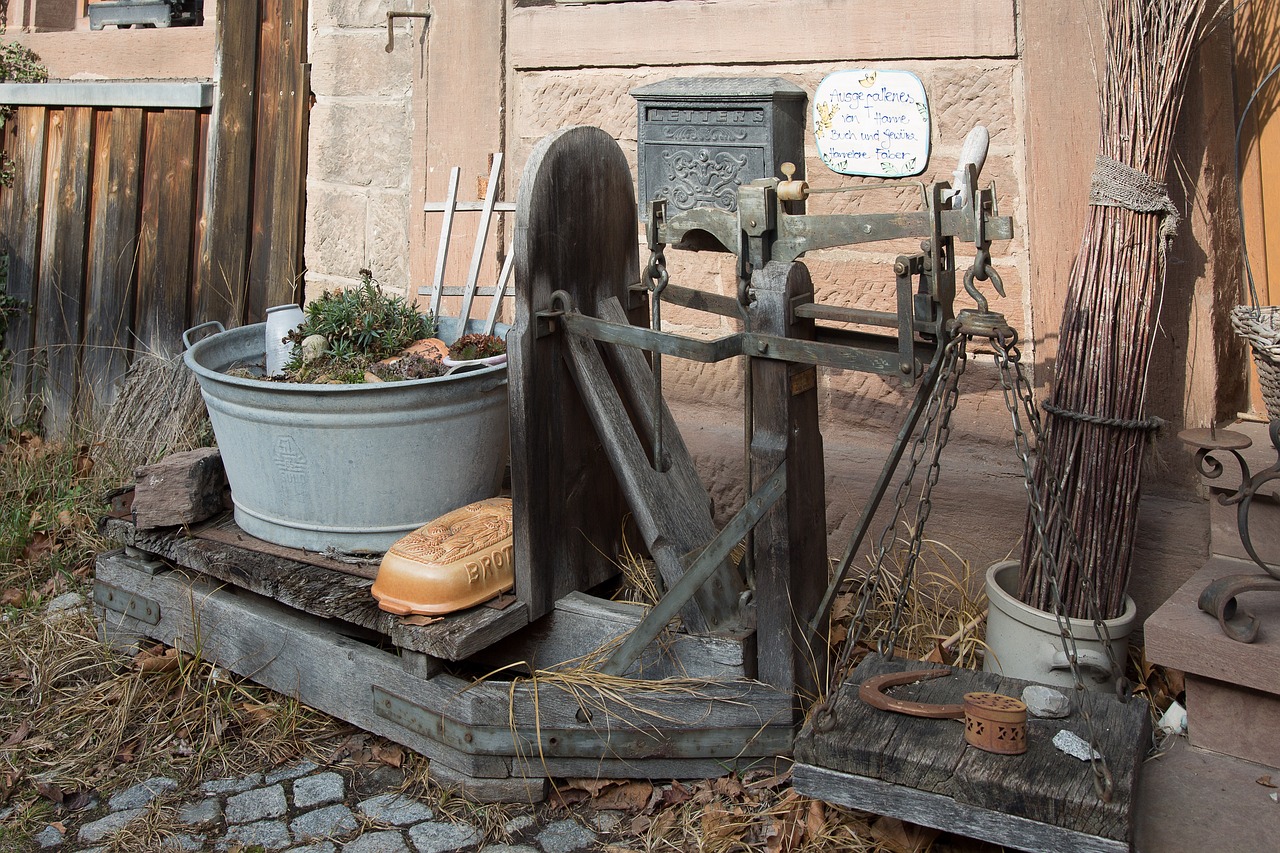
{"x":186,"y":336}
{"x":1085,"y":659}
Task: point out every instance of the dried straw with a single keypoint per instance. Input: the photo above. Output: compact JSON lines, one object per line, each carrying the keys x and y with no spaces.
{"x":1108,"y":324}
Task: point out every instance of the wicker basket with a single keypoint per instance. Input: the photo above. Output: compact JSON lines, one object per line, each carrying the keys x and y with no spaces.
{"x":1261,"y":328}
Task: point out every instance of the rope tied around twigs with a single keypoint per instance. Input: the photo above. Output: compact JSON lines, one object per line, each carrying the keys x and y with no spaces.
{"x":1149,"y":425}
{"x":1115,"y":184}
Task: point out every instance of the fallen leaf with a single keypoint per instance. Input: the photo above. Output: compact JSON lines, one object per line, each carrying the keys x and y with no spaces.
{"x":148,"y":661}
{"x":902,"y":837}
{"x":40,"y":544}
{"x":11,"y":596}
{"x":127,"y":752}
{"x":19,"y":735}
{"x":770,"y":781}
{"x":816,"y":820}
{"x":83,"y":464}
{"x":728,"y":786}
{"x":49,"y":791}
{"x":1266,"y":781}
{"x":421,"y":620}
{"x":80,"y":799}
{"x":391,"y":754}
{"x":65,"y":519}
{"x":8,"y":781}
{"x":60,"y":826}
{"x":631,"y":795}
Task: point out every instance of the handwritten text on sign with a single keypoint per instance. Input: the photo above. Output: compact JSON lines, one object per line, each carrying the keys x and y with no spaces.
{"x":870,"y":122}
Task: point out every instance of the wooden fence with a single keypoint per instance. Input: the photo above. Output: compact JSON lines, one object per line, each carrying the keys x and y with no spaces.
{"x":127,"y":224}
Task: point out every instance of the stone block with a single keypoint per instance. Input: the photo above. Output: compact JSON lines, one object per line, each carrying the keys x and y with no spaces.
{"x":387,"y":239}
{"x":330,"y":821}
{"x":256,"y":804}
{"x":337,"y":222}
{"x":1233,"y":720}
{"x":349,"y":13}
{"x":395,"y":809}
{"x":318,"y":790}
{"x":359,"y":143}
{"x":355,"y":63}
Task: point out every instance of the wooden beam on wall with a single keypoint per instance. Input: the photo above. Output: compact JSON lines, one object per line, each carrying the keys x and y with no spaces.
{"x":740,"y":32}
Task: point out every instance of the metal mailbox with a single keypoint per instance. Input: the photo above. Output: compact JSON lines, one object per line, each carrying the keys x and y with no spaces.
{"x":701,"y":137}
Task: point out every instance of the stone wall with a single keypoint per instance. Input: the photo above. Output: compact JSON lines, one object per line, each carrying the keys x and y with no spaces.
{"x":359,"y":159}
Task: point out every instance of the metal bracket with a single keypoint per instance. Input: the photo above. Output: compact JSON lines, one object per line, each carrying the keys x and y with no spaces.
{"x":127,"y":603}
{"x":391,"y":17}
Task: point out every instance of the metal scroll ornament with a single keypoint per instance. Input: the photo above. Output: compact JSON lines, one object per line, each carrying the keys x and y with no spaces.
{"x":1219,"y":598}
{"x":703,"y":177}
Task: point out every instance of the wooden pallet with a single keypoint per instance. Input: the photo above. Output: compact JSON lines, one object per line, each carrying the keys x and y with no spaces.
{"x":921,"y":770}
{"x":344,"y":660}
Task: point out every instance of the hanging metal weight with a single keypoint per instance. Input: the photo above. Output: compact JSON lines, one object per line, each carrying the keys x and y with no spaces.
{"x":657,"y":279}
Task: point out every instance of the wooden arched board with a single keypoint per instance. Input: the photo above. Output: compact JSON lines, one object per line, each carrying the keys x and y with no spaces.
{"x":576,"y":231}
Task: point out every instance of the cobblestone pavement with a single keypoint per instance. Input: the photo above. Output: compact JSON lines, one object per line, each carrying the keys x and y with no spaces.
{"x":304,"y":807}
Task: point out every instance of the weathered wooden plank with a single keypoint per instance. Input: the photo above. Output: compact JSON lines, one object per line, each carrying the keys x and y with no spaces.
{"x":113,"y":251}
{"x":181,"y":489}
{"x":288,"y":652}
{"x":582,"y":624}
{"x":790,"y":543}
{"x":20,"y":239}
{"x":60,"y":303}
{"x":941,"y":812}
{"x":289,"y":143}
{"x":1043,"y":785}
{"x":575,"y":230}
{"x":729,"y":32}
{"x":168,"y":225}
{"x":273,"y":32}
{"x":671,"y":508}
{"x":224,"y":248}
{"x":324,"y":593}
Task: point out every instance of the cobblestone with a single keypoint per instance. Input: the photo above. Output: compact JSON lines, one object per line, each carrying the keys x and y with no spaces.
{"x":199,"y":813}
{"x":289,"y":772}
{"x":50,"y":836}
{"x":256,"y":804}
{"x":323,"y":823}
{"x":565,"y":836}
{"x":396,"y":809}
{"x":92,"y":833}
{"x":231,"y":786}
{"x":269,"y":834}
{"x":142,"y":793}
{"x":379,"y":842}
{"x":317,"y":790}
{"x":435,"y":837}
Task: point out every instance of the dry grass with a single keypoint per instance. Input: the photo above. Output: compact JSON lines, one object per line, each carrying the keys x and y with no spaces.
{"x":76,"y":717}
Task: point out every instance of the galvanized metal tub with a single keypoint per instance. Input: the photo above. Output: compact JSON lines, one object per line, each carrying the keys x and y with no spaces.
{"x":353,"y":467}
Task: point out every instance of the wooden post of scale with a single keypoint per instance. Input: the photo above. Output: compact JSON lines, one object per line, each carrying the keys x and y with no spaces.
{"x":790,"y":543}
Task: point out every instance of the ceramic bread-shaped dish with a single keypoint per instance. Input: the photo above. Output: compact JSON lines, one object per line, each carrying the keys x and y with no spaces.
{"x":459,"y":560}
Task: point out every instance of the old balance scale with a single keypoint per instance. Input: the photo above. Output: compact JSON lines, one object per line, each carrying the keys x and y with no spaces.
{"x":595,"y":449}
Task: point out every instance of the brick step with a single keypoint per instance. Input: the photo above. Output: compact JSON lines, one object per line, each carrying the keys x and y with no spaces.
{"x":1233,"y":688}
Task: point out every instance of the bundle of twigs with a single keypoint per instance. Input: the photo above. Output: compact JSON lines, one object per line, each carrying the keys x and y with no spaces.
{"x":1087,"y":473}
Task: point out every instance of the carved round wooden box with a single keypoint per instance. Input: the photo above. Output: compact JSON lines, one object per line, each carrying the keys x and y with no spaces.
{"x":459,"y":560}
{"x":995,"y":723}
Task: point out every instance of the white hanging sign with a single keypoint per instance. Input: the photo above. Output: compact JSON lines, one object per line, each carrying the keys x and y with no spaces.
{"x":872,"y":122}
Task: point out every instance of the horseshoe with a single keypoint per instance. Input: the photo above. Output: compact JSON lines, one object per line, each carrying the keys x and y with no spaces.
{"x":872,"y":692}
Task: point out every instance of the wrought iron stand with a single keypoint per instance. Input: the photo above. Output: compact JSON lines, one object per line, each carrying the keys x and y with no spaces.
{"x":1219,"y":598}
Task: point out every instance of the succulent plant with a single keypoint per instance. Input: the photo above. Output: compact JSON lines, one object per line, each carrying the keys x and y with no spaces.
{"x":362,"y":325}
{"x":474,"y":346}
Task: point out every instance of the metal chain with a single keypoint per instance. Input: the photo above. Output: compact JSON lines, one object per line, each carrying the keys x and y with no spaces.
{"x":1019,"y":397}
{"x":952,"y":354}
{"x":949,"y":391}
{"x":656,"y":273}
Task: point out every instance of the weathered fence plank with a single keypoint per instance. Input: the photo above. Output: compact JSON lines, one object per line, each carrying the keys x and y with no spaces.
{"x":20,"y":239}
{"x":60,"y":290}
{"x":113,"y":251}
{"x":168,"y":217}
{"x":224,"y":246}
